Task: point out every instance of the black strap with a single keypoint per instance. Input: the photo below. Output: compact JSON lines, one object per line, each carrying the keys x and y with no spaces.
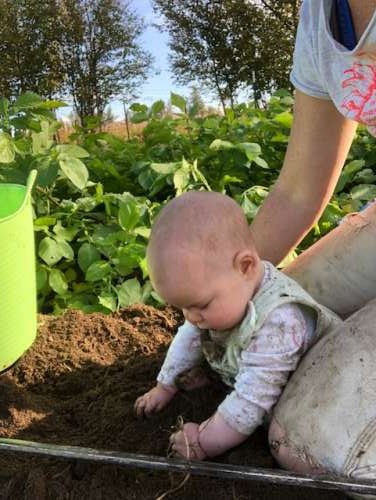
{"x":344,"y":30}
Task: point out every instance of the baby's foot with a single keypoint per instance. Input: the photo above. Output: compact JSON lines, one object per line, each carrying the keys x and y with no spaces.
{"x":192,"y":379}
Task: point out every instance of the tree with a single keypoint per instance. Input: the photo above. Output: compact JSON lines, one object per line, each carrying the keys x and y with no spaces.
{"x":276,"y":34}
{"x":102,"y":59}
{"x":230,"y":45}
{"x":287,"y":11}
{"x":196,"y":101}
{"x":29,"y":47}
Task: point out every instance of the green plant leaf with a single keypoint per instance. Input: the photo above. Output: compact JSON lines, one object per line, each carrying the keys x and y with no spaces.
{"x":108,"y":301}
{"x":146,"y":291}
{"x":181,"y":180}
{"x":129,"y":214}
{"x":211,"y":123}
{"x":363,"y":192}
{"x":138,"y":108}
{"x":348,"y":174}
{"x":98,"y":270}
{"x":332,"y":214}
{"x":165,"y":168}
{"x":228,"y":179}
{"x":87,"y":254}
{"x":7,"y":154}
{"x":53,"y":104}
{"x":127,"y":258}
{"x":41,"y":275}
{"x":76,"y":171}
{"x":42,"y":141}
{"x":157,"y":107}
{"x":261,"y":162}
{"x":65,"y":248}
{"x":28,"y":100}
{"x":218,"y":144}
{"x":72,"y":151}
{"x":143,"y":231}
{"x":87,"y":203}
{"x":45,"y":221}
{"x":58,"y":282}
{"x":65,"y":233}
{"x":285,"y":118}
{"x":22,"y":146}
{"x":157,"y":297}
{"x":251,"y":149}
{"x":365,"y":176}
{"x":178,"y":101}
{"x":4,"y":107}
{"x":70,"y":274}
{"x":24,"y":122}
{"x":129,"y":293}
{"x":50,"y":251}
{"x":47,"y":170}
{"x":139,"y":117}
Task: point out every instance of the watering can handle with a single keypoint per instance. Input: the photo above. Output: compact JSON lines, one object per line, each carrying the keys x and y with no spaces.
{"x":30,"y":181}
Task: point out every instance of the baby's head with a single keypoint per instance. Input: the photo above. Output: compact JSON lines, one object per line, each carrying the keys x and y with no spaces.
{"x":202,"y":259}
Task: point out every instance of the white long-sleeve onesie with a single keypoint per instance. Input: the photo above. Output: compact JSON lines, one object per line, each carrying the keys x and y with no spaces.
{"x":265,"y":364}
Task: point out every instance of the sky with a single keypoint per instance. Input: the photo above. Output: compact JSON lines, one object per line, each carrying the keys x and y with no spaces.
{"x":160,"y":82}
{"x":159,"y":85}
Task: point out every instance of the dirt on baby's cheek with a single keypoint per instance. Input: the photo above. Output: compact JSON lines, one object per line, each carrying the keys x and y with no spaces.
{"x":77,"y":386}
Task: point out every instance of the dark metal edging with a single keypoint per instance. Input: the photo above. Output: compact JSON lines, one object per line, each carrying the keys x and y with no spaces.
{"x":212,"y":469}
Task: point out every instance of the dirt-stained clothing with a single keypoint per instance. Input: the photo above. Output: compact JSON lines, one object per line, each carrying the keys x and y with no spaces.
{"x":256,"y":357}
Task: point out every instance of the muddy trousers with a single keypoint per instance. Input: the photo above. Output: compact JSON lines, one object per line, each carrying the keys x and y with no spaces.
{"x":326,"y":417}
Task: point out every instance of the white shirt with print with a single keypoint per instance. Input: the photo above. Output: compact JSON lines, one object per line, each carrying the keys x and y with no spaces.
{"x":264,"y":367}
{"x":326,"y":69}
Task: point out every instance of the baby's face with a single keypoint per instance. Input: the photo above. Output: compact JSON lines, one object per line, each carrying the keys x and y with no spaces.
{"x":210,"y":298}
{"x":219,"y":304}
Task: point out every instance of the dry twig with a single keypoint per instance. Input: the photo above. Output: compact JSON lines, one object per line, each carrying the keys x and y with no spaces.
{"x":179,"y":427}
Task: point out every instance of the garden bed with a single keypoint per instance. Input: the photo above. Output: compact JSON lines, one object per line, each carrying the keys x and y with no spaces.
{"x":77,"y":386}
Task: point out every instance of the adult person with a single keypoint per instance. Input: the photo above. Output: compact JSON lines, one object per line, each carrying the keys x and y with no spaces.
{"x":326,"y":418}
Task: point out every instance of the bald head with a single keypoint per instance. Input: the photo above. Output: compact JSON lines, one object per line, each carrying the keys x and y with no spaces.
{"x":201,"y":224}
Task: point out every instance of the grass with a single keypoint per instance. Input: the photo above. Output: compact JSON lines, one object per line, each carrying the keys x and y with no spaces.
{"x":117,"y":128}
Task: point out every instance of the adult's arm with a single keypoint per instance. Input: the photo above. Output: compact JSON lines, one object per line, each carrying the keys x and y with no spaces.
{"x":318,"y":146}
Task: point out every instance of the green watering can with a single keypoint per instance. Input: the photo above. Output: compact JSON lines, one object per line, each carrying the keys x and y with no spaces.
{"x":18,"y":306}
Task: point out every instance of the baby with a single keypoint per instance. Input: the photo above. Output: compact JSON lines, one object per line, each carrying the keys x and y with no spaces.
{"x":249,"y":321}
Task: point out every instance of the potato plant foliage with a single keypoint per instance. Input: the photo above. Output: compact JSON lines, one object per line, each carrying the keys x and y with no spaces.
{"x":97,"y":195}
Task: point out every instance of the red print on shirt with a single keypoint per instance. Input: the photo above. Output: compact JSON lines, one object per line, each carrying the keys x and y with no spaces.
{"x":360,"y":102}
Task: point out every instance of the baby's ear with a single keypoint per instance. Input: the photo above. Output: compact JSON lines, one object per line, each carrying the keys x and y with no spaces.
{"x":245,"y":263}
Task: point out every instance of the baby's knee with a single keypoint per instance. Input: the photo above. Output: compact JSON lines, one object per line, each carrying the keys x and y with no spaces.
{"x":287,"y":454}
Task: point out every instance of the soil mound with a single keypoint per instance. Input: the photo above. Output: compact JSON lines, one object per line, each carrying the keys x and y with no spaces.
{"x":77,"y":386}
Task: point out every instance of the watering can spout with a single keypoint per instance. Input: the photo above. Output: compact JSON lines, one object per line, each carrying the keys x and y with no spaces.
{"x":18,"y":306}
{"x":30,"y":182}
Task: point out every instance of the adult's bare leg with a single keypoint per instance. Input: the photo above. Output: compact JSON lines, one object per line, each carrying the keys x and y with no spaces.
{"x":339,"y":271}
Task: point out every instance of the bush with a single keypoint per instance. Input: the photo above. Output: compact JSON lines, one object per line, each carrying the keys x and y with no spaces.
{"x":97,"y":196}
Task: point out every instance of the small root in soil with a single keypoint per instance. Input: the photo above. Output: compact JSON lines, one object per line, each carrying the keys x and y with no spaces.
{"x":170,"y":453}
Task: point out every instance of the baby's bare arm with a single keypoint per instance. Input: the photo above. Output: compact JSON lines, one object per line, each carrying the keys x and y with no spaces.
{"x":183,"y":353}
{"x":208,"y":439}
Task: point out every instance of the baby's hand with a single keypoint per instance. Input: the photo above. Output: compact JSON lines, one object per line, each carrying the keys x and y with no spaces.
{"x":186,"y":444}
{"x":154,"y":400}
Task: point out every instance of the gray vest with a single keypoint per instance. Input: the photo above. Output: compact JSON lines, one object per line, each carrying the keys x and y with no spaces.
{"x":222,"y":349}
